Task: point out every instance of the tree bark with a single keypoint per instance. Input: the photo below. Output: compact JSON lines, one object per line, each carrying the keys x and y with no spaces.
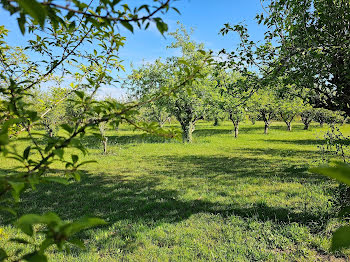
{"x":289,"y":126}
{"x":236,"y":130}
{"x":104,"y":142}
{"x":266,"y":131}
{"x":306,"y":126}
{"x":187,"y":130}
{"x":216,"y":122}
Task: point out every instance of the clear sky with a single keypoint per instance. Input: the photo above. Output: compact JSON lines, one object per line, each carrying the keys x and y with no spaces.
{"x":206,"y":17}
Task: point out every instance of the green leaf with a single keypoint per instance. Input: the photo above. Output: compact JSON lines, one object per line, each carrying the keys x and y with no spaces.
{"x":19,"y":240}
{"x":34,"y":9}
{"x":77,"y":242}
{"x":26,"y":152}
{"x":50,"y":218}
{"x":59,"y":152}
{"x":340,"y":172}
{"x":76,"y":176}
{"x":75,"y":158}
{"x":3,"y":254}
{"x":176,"y":10}
{"x":162,"y":27}
{"x":80,"y":94}
{"x":4,"y":139}
{"x":82,"y":224}
{"x":35,"y":257}
{"x":26,"y":222}
{"x":128,"y":26}
{"x":184,"y":62}
{"x":341,"y":238}
{"x":67,"y":128}
{"x":9,"y":210}
{"x":17,"y":189}
{"x":86,"y":162}
{"x":59,"y":180}
{"x":45,"y":244}
{"x":21,"y":23}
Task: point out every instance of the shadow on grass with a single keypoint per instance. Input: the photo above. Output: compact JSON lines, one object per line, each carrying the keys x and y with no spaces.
{"x":259,"y":129}
{"x":116,"y":198}
{"x":143,"y":199}
{"x":222,"y":169}
{"x":279,"y":154}
{"x":297,"y":142}
{"x":92,"y":142}
{"x":203,"y":132}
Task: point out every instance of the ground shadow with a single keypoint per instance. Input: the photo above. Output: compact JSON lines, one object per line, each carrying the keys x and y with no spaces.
{"x":204,"y":132}
{"x":93,"y":142}
{"x":297,"y":142}
{"x":236,"y":167}
{"x":279,"y":153}
{"x":116,"y":197}
{"x":249,"y":129}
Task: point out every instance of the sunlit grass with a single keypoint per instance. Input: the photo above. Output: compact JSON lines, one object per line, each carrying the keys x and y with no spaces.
{"x":218,"y":199}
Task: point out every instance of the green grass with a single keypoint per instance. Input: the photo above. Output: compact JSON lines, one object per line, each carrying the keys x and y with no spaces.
{"x":218,"y":199}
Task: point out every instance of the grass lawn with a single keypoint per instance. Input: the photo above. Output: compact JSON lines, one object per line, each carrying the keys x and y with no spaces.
{"x":218,"y":199}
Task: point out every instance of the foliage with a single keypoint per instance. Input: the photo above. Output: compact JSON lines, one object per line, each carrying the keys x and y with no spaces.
{"x":232,"y":96}
{"x":106,"y":14}
{"x":340,"y":172}
{"x":188,"y":104}
{"x":78,"y":42}
{"x":305,"y":42}
{"x":307,"y":116}
{"x":323,"y":116}
{"x":149,"y":79}
{"x":51,"y":107}
{"x":264,"y":102}
{"x":288,"y":108}
{"x":336,"y":144}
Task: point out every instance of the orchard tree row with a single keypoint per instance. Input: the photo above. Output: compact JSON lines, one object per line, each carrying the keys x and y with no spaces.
{"x":220,"y":94}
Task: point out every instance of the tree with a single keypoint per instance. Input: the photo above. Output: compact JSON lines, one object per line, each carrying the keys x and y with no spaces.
{"x":146,"y":80}
{"x":64,"y":38}
{"x":288,"y":108}
{"x":188,"y":104}
{"x":307,"y":115}
{"x":236,"y":116}
{"x":323,"y":116}
{"x":264,"y":102}
{"x":306,"y":42}
{"x":229,"y":85}
{"x":51,"y":106}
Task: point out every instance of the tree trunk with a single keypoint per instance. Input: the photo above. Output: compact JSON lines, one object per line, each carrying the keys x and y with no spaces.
{"x":187,"y":130}
{"x":321,"y":124}
{"x":236,"y":130}
{"x":50,"y":132}
{"x":289,"y":126}
{"x":216,"y":122}
{"x":306,"y":126}
{"x":193,"y":126}
{"x":266,"y":131}
{"x":104,"y":142}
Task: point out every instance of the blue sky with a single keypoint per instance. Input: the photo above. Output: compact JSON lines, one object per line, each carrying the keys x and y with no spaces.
{"x":205,"y":16}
